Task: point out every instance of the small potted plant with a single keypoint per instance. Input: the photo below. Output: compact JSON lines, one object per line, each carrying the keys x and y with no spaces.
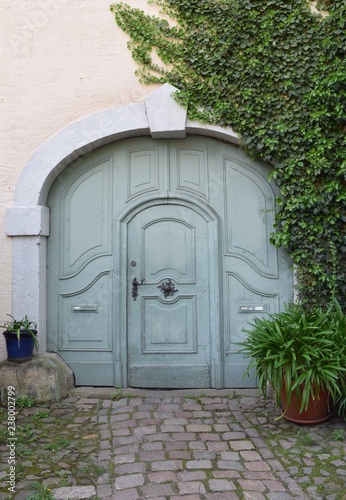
{"x":20,"y":336}
{"x":302,"y":355}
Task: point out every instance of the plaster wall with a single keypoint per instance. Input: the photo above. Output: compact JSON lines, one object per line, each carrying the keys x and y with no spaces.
{"x":61,"y":60}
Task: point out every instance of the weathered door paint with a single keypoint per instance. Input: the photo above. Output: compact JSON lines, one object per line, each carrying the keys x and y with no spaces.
{"x":196,"y":212}
{"x":168,"y":327}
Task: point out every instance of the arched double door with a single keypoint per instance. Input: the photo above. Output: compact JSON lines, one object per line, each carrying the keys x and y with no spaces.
{"x":158,"y":257}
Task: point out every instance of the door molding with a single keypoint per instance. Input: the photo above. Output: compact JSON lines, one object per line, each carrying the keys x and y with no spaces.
{"x":27,"y":221}
{"x":203,"y":209}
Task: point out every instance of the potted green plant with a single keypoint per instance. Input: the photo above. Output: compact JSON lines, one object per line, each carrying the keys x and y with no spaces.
{"x":302,"y":355}
{"x":20,"y":336}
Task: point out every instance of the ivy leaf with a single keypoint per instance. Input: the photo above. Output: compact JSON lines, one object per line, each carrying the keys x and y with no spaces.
{"x":274,"y":72}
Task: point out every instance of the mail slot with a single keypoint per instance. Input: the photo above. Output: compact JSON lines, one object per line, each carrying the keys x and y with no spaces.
{"x":84,"y":308}
{"x":251,"y":309}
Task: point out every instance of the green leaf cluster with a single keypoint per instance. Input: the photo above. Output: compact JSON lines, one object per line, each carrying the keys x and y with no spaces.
{"x":22,"y":326}
{"x":276,"y":73}
{"x":299,"y":351}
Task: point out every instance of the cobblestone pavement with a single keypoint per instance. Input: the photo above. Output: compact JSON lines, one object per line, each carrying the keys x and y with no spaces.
{"x":211,"y":445}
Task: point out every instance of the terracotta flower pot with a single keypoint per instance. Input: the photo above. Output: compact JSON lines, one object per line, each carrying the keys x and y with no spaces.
{"x":317,"y":411}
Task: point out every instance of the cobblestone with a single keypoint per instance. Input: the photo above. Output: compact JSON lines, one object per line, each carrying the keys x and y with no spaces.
{"x":160,"y":445}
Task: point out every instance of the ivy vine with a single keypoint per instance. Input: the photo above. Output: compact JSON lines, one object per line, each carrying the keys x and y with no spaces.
{"x":275,"y":72}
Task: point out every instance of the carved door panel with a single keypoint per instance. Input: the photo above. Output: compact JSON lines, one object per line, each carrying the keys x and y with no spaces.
{"x":80,"y":276}
{"x":168,"y":324}
{"x":251,"y":265}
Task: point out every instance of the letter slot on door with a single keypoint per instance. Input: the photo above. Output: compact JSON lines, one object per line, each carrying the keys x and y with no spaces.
{"x":84,"y":308}
{"x":251,"y":309}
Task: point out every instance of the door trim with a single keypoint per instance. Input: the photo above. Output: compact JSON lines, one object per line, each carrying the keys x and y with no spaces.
{"x":204,"y":210}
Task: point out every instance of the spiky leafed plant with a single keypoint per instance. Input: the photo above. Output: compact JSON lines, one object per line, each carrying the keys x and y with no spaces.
{"x":299,"y":351}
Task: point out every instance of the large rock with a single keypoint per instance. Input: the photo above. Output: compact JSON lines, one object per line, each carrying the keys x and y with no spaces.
{"x":46,"y":377}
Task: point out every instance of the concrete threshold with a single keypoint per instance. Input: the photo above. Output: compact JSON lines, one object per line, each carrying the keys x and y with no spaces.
{"x":108,"y":392}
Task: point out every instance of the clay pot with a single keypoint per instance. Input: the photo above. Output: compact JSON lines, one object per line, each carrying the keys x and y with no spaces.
{"x":318,"y":409}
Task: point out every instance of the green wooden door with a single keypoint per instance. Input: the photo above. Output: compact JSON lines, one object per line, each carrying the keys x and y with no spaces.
{"x":196,"y":212}
{"x":80,"y":273}
{"x":168,"y":326}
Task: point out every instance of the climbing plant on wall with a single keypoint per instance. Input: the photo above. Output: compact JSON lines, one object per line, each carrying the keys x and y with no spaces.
{"x":275,"y":72}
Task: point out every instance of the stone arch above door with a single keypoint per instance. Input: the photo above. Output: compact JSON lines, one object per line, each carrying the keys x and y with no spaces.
{"x":159,"y":116}
{"x":27,"y":221}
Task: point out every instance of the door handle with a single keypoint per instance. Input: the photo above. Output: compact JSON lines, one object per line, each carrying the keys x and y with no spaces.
{"x":135,"y":284}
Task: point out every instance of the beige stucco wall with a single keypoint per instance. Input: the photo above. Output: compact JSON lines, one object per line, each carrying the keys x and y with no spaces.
{"x":60,"y":60}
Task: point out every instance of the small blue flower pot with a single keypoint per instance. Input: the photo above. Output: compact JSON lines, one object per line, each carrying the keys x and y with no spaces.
{"x":23,"y":351}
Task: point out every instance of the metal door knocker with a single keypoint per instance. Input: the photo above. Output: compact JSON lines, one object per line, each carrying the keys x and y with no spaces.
{"x":135,"y":285}
{"x":168,"y":288}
